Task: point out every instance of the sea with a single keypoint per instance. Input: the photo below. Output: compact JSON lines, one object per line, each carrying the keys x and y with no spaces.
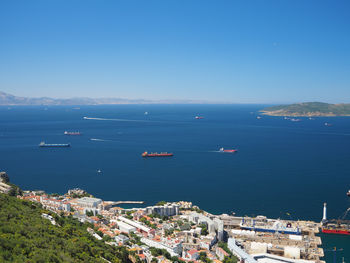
{"x":282,"y":169}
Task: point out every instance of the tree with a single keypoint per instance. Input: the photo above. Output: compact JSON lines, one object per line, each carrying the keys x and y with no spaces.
{"x":4,"y":177}
{"x":161,"y":203}
{"x":89,"y":213}
{"x":203,"y":257}
{"x":204,"y":230}
{"x":27,"y":237}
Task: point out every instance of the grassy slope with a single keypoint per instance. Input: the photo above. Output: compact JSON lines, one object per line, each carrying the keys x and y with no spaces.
{"x":307,"y":108}
{"x":26,"y":237}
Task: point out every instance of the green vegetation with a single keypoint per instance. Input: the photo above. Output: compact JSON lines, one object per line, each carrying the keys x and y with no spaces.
{"x":309,"y":109}
{"x":15,"y":190}
{"x":162,"y":252}
{"x":89,"y":213}
{"x":204,"y":258}
{"x":4,"y":177}
{"x":148,"y":223}
{"x":27,"y":237}
{"x":135,"y":239}
{"x":155,"y":215}
{"x":204,"y":230}
{"x":159,"y":252}
{"x":161,"y":203}
{"x":228,"y":259}
{"x":74,"y":195}
{"x":168,"y":232}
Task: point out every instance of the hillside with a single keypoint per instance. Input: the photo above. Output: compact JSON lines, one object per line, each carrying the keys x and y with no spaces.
{"x":27,"y":237}
{"x":308,"y":109}
{"x":11,"y":100}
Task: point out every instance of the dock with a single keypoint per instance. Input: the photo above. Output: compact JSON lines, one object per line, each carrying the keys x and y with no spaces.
{"x":276,"y":236}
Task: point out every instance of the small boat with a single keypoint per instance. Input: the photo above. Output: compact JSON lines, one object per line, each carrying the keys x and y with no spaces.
{"x":199,"y":117}
{"x":258,"y":117}
{"x":72,"y":133}
{"x":327,"y":124}
{"x":295,"y":120}
{"x":146,"y":112}
{"x":162,"y":154}
{"x":227,"y":150}
{"x":99,"y":171}
{"x":348,"y":193}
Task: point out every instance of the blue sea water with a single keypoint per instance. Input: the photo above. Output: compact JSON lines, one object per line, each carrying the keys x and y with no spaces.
{"x":281,"y":166}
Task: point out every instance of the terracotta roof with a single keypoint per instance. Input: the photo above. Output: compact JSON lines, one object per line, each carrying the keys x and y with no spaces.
{"x":192,"y":251}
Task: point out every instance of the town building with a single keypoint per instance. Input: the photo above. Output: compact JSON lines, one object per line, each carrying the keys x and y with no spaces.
{"x":174,"y":247}
{"x":169,"y":209}
{"x":125,"y":228}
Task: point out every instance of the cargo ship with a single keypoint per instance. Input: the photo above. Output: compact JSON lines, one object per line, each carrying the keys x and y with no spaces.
{"x":43,"y":144}
{"x":270,"y":226}
{"x":72,"y":133}
{"x":162,"y":154}
{"x":338,"y":226}
{"x":227,"y":151}
{"x":335,"y":230}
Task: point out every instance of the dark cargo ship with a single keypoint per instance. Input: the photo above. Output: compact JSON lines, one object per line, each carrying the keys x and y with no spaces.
{"x":162,"y":154}
{"x":43,"y":144}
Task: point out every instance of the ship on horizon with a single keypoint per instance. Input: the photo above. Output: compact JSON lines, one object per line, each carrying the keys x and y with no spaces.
{"x":162,"y":154}
{"x":227,"y":150}
{"x":43,"y":144}
{"x":72,"y":133}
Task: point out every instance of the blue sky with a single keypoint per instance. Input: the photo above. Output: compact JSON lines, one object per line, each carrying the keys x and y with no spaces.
{"x":263,"y":51}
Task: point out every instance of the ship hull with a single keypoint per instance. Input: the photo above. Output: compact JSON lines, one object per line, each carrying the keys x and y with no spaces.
{"x":53,"y":145}
{"x":157,"y":155}
{"x":336,"y":231}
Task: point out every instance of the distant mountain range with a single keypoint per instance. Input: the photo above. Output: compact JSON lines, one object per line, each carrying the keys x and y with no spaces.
{"x":8,"y":99}
{"x":308,"y":109}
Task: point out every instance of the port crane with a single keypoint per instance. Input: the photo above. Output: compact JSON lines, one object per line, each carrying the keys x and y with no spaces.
{"x":341,"y":219}
{"x":335,"y":250}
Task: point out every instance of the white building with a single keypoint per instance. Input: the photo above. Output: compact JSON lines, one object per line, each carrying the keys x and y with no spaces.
{"x":173,"y":247}
{"x":213,"y":225}
{"x":125,"y":228}
{"x":89,"y":202}
{"x":121,"y":239}
{"x":135,"y":224}
{"x":240,"y":253}
{"x":54,"y":204}
{"x":169,"y":209}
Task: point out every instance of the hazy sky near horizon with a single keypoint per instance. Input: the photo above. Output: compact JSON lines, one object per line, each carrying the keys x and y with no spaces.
{"x":245,"y":51}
